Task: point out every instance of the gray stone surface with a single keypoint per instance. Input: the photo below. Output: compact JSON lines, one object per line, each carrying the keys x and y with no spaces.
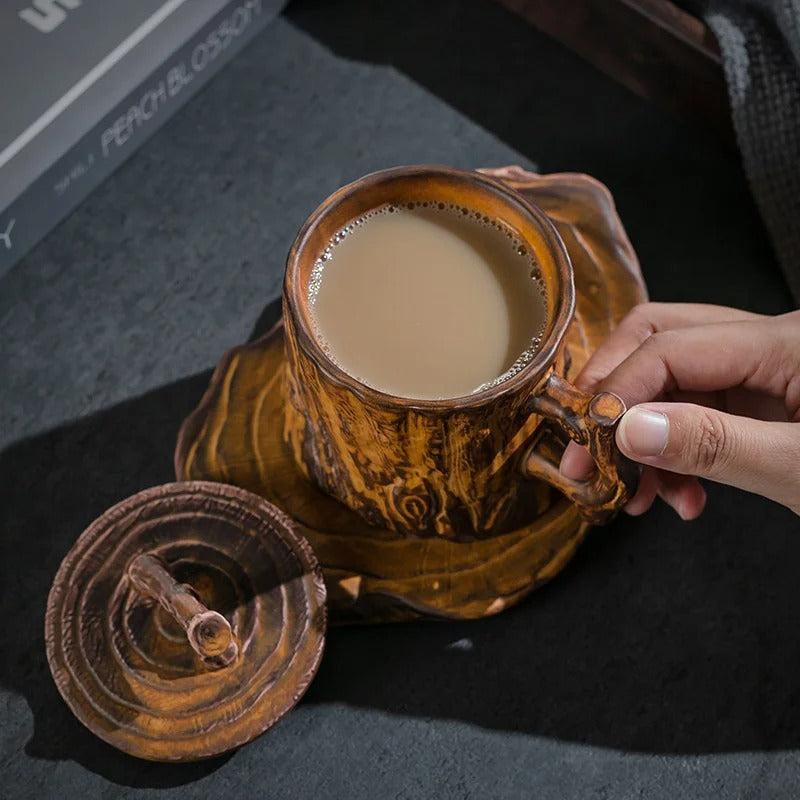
{"x":662,"y":663}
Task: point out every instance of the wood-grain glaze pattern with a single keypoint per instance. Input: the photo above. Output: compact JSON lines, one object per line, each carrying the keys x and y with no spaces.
{"x":373,"y":573}
{"x":122,"y":660}
{"x":442,"y":467}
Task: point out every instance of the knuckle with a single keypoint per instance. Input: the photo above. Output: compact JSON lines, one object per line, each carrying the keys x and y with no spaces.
{"x":640,"y":312}
{"x":640,"y":320}
{"x":788,"y":339}
{"x":711,"y":443}
{"x":646,"y":310}
{"x":658,"y":343}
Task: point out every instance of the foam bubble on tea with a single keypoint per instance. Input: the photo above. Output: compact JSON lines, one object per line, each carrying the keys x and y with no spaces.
{"x":427,"y":301}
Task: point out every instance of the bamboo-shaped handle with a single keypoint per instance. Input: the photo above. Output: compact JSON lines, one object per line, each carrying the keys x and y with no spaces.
{"x":590,"y":420}
{"x":208,"y":632}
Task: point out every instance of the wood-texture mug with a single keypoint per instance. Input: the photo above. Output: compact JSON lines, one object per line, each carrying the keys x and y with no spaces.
{"x":450,"y":467}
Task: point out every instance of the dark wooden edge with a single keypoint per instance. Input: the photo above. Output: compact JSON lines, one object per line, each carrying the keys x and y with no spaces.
{"x":652,"y":47}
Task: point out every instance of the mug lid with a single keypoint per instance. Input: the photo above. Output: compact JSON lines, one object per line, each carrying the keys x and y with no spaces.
{"x":185,"y":621}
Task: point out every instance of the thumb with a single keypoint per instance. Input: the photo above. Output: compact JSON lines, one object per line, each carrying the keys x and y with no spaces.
{"x":761,"y":457}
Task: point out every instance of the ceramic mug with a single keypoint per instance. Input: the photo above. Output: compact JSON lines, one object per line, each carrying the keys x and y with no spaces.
{"x":451,"y":467}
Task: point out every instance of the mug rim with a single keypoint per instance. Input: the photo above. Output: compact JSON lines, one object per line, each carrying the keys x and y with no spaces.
{"x":296,"y":301}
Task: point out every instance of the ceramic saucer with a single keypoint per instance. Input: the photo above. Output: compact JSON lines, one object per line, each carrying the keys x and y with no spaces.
{"x":236,"y":436}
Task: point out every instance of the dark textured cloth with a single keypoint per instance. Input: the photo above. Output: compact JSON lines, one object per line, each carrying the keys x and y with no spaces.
{"x":760,"y":44}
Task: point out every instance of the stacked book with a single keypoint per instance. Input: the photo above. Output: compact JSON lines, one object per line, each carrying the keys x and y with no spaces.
{"x":86,"y":82}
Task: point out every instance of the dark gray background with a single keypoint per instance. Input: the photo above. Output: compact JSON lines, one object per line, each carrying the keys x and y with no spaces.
{"x":662,"y":663}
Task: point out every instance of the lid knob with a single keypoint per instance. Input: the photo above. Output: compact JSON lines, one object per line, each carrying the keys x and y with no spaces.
{"x":208,"y":632}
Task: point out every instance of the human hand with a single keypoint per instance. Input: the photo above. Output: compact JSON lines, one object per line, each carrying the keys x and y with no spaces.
{"x":712,"y":392}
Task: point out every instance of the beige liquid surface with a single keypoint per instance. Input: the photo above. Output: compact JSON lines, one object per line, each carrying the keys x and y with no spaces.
{"x":428,"y":302}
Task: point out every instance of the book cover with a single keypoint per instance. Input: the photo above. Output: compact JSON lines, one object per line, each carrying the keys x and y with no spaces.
{"x":86,"y":82}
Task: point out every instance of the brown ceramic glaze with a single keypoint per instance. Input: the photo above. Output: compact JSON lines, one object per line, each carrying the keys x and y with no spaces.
{"x":208,"y":633}
{"x":183,"y":606}
{"x":375,"y":574}
{"x":451,"y":468}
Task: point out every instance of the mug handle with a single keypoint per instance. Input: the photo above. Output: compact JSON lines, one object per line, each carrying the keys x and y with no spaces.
{"x":591,"y":421}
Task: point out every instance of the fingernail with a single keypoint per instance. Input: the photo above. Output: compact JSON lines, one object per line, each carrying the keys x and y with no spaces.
{"x":643,"y":432}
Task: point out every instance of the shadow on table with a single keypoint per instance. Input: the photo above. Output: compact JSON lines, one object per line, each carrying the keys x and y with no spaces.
{"x":660,"y":637}
{"x":52,"y":487}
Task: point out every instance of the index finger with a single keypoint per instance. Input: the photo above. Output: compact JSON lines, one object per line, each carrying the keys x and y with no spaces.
{"x":640,"y":324}
{"x":760,"y":354}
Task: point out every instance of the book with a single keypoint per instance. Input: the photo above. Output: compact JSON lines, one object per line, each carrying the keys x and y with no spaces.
{"x":87,"y":82}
